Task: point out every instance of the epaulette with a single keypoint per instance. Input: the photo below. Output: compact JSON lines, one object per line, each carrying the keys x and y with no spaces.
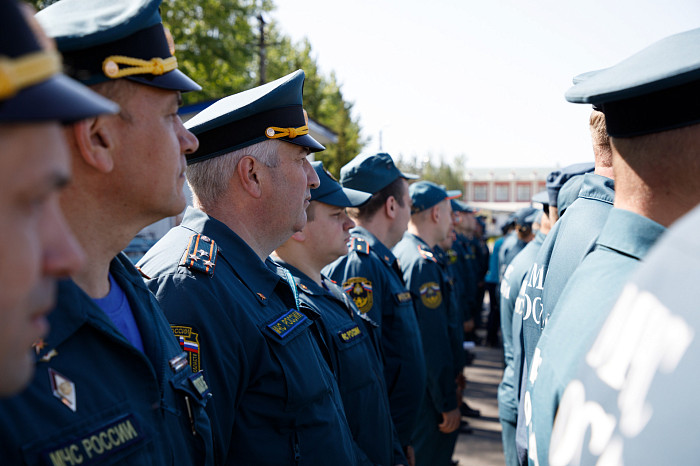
{"x":426,"y":253}
{"x":359,"y":245}
{"x":200,"y":255}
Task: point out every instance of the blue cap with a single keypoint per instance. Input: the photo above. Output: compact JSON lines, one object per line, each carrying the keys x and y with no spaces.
{"x":525,"y":216}
{"x":460,"y":206}
{"x":38,"y":92}
{"x":569,"y":193}
{"x":330,"y":192}
{"x":271,"y":111}
{"x":103,"y":40}
{"x":557,"y":178}
{"x":542,"y":197}
{"x":654,"y":90}
{"x":371,"y":172}
{"x":425,"y":194}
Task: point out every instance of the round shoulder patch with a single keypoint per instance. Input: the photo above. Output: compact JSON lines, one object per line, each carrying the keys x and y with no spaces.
{"x":430,"y":295}
{"x":360,"y":290}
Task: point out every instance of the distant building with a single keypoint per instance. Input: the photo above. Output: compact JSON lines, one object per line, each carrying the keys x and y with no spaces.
{"x":497,"y":192}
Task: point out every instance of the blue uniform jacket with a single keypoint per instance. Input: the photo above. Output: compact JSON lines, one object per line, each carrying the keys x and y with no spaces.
{"x":511,"y":322}
{"x":585,"y":303}
{"x":571,"y":239}
{"x":371,"y":276}
{"x":466,"y":278}
{"x":96,"y":398}
{"x":641,"y":372}
{"x":492,"y":276}
{"x":275,"y":399}
{"x":357,"y":363}
{"x":510,"y":241}
{"x":425,"y":281}
{"x":448,"y":264}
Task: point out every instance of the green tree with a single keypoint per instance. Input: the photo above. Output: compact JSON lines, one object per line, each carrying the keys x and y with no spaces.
{"x":446,"y":174}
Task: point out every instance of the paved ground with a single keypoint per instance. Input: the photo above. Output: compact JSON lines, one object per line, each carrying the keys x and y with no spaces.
{"x":482,"y":447}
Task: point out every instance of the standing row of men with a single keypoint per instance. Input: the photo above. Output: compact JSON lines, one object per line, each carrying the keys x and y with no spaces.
{"x":599,"y":368}
{"x":211,"y":352}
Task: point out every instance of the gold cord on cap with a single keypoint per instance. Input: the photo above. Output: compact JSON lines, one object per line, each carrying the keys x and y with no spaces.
{"x":274,"y":132}
{"x":155,"y":66}
{"x":27,"y":70}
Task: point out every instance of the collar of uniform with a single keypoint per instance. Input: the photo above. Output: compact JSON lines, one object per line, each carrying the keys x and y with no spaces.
{"x":440,"y":255}
{"x":74,"y":307}
{"x":252,"y":272}
{"x":597,"y":188}
{"x":539,"y":237}
{"x":629,"y":233}
{"x":418,"y":240}
{"x":303,"y":281}
{"x":375,"y":245}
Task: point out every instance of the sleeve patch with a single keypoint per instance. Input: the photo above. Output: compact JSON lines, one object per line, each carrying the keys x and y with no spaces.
{"x":283,"y":325}
{"x":430,"y":295}
{"x":360,"y":290}
{"x":189,"y":342}
{"x":350,"y":334}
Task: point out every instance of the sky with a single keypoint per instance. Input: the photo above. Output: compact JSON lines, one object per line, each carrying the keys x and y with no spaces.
{"x":480,"y":79}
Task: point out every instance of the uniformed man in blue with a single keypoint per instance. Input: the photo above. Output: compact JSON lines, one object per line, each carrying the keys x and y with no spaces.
{"x":523,"y":235}
{"x":641,"y":372}
{"x":276,"y":400}
{"x":511,"y":308}
{"x":34,"y":166}
{"x":586,"y":220}
{"x":649,"y":197}
{"x":350,"y":336}
{"x":112,"y":384}
{"x":438,"y":414}
{"x":371,"y":276}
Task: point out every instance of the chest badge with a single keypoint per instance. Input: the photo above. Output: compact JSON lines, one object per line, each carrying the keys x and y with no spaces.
{"x":360,"y":290}
{"x":430,"y":295}
{"x":189,"y":343}
{"x":63,"y":389}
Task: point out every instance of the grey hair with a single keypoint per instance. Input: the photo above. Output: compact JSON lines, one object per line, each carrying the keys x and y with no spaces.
{"x":209,"y":179}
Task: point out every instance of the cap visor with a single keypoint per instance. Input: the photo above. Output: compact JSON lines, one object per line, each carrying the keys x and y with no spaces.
{"x":345,"y":197}
{"x":306,"y":141}
{"x":454,"y":194}
{"x":409,"y":176}
{"x":58,"y":98}
{"x":174,"y":80}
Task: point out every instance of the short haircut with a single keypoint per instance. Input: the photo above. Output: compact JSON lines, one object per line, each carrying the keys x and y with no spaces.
{"x":378,"y":199}
{"x":209,"y":179}
{"x":601,"y":140}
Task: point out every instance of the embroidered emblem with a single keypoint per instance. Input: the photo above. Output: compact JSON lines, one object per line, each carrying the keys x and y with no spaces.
{"x":359,"y":245}
{"x":350,"y":334}
{"x":430,"y":295}
{"x":360,"y":290}
{"x":63,"y":389}
{"x":287,"y":322}
{"x":98,"y":445}
{"x":200,"y":254}
{"x":451,"y":256}
{"x":426,"y":253}
{"x":403,"y":297}
{"x":189,"y":342}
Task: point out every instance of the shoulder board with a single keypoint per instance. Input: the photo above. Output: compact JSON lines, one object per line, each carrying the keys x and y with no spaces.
{"x":200,"y":255}
{"x":426,"y":253}
{"x":359,"y":245}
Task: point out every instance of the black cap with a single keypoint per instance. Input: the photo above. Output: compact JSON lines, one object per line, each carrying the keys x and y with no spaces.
{"x":33,"y":88}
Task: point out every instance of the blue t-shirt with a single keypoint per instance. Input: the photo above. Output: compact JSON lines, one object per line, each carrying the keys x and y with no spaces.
{"x":117,"y":308}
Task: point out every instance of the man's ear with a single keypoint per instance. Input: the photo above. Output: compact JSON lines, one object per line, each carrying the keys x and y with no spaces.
{"x":248,"y":171}
{"x":95,"y":141}
{"x":391,"y":207}
{"x":435,"y":213}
